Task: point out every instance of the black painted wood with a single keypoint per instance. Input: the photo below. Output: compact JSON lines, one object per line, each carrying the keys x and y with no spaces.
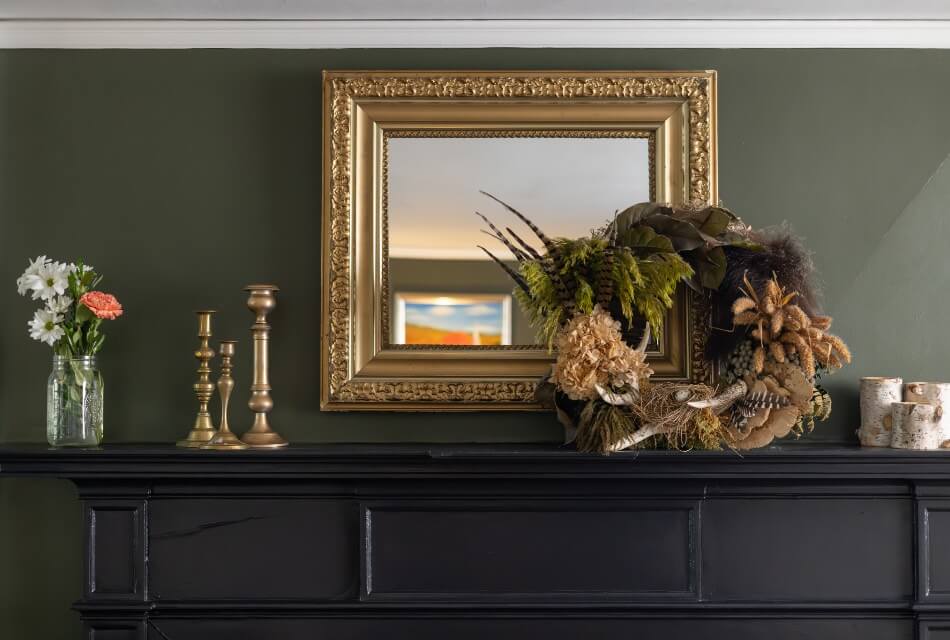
{"x":413,"y":541}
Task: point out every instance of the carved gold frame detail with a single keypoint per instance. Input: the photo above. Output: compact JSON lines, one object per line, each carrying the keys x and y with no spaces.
{"x":362,"y":110}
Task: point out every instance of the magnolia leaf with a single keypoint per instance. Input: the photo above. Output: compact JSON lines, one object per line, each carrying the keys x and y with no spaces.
{"x":643,"y":240}
{"x":717,"y":221}
{"x":736,"y":240}
{"x":634,"y":215}
{"x":684,"y":235}
{"x":710,"y":265}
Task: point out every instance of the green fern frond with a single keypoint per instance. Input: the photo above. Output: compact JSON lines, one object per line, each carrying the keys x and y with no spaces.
{"x":661,"y":274}
{"x":584,"y":296}
{"x":575,"y":256}
{"x":627,"y":279}
{"x":542,"y":305}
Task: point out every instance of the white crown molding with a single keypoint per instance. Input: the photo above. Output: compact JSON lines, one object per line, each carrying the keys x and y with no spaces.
{"x":341,"y":34}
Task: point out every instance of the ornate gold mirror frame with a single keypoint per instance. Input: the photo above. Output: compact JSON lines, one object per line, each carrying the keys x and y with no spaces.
{"x":361,"y":370}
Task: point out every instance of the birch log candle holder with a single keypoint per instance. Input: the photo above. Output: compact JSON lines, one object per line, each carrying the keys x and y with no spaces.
{"x":877,"y":396}
{"x":915,"y":426}
{"x":936,"y":394}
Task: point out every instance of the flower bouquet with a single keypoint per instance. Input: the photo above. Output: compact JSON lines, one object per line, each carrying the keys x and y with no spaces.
{"x":593,"y":298}
{"x":70,"y":322}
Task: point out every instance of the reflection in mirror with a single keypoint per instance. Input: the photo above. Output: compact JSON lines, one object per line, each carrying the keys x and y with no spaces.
{"x":443,"y":290}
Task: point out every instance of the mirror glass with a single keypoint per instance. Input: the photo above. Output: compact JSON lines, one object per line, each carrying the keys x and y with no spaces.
{"x":443,"y":289}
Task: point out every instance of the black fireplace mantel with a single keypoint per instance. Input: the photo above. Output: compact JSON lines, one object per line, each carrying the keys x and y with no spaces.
{"x":505,"y":542}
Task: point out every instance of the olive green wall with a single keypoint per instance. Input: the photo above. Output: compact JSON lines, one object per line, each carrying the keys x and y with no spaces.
{"x":183,"y":175}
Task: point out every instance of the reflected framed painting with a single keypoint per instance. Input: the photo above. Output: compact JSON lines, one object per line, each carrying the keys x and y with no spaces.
{"x":452,"y":319}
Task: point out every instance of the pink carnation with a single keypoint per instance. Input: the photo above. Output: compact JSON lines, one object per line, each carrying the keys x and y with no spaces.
{"x":103,"y":305}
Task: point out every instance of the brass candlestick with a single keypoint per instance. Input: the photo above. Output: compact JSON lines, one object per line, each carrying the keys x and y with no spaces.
{"x":203,"y":430}
{"x":261,"y":301}
{"x":224,"y":439}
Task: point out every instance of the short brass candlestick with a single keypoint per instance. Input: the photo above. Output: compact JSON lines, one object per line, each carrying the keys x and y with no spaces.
{"x":203,"y":430}
{"x":261,"y":301}
{"x":224,"y":440}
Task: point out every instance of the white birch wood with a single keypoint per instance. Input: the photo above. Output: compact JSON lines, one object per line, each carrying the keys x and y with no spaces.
{"x":877,"y":396}
{"x":915,"y":426}
{"x":938,"y":395}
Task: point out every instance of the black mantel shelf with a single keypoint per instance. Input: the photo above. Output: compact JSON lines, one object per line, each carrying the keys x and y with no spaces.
{"x":423,"y":541}
{"x":458,"y":460}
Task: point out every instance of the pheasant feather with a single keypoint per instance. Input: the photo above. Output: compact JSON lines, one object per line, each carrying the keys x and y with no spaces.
{"x":498,"y":235}
{"x":548,"y":243}
{"x":527,"y":247}
{"x":518,"y":280}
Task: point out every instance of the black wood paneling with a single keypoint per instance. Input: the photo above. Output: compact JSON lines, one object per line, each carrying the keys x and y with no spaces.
{"x":505,"y":550}
{"x":476,"y":628}
{"x":361,"y":542}
{"x":253,"y":548}
{"x":808,"y":549}
{"x":935,"y":630}
{"x":115,"y":549}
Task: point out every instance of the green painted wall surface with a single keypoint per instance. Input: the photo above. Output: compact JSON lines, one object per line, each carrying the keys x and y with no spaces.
{"x":184,"y":175}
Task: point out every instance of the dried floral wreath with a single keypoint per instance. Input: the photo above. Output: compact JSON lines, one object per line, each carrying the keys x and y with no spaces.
{"x":594,"y":297}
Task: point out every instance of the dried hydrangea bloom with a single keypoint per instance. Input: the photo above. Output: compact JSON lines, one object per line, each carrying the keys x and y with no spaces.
{"x":591,"y":352}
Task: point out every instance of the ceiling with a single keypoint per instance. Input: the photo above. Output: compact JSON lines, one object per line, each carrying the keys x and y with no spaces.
{"x":476,"y":9}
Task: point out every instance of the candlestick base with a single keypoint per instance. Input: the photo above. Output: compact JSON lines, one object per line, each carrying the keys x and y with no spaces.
{"x":261,"y":436}
{"x":224,"y":441}
{"x":201,"y":433}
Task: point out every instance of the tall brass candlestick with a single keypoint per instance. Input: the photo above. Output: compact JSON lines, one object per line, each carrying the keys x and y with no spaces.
{"x":261,"y":300}
{"x":203,"y":430}
{"x":224,"y":440}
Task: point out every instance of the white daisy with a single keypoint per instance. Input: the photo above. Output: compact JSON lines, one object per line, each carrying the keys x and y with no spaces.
{"x":45,"y":327}
{"x":73,"y":268}
{"x":59,"y":305}
{"x":30,"y":278}
{"x":51,"y":281}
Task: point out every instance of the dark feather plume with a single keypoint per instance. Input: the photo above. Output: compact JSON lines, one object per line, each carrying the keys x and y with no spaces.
{"x":527,"y":247}
{"x":518,"y":280}
{"x":748,"y":406}
{"x":781,"y":253}
{"x":548,"y":244}
{"x":498,"y":235}
{"x":548,"y":263}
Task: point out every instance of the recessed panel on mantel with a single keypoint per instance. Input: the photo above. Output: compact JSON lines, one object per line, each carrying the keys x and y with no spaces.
{"x":496,"y":552}
{"x":816,"y":549}
{"x":278,"y":548}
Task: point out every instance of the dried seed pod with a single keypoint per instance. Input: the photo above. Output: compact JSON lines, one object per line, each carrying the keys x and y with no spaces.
{"x":840,"y":347}
{"x":777,"y":351}
{"x":822,"y":322}
{"x":778,"y":320}
{"x":746,"y":317}
{"x":795,"y":312}
{"x":758,"y":359}
{"x":742,"y":304}
{"x":822,"y":353}
{"x":795,"y":339}
{"x":808,"y":361}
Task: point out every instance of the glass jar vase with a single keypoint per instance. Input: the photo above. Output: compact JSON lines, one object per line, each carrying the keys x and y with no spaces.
{"x":74,"y":395}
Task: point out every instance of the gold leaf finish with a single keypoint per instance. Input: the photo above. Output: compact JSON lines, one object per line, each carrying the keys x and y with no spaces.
{"x":360,"y":369}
